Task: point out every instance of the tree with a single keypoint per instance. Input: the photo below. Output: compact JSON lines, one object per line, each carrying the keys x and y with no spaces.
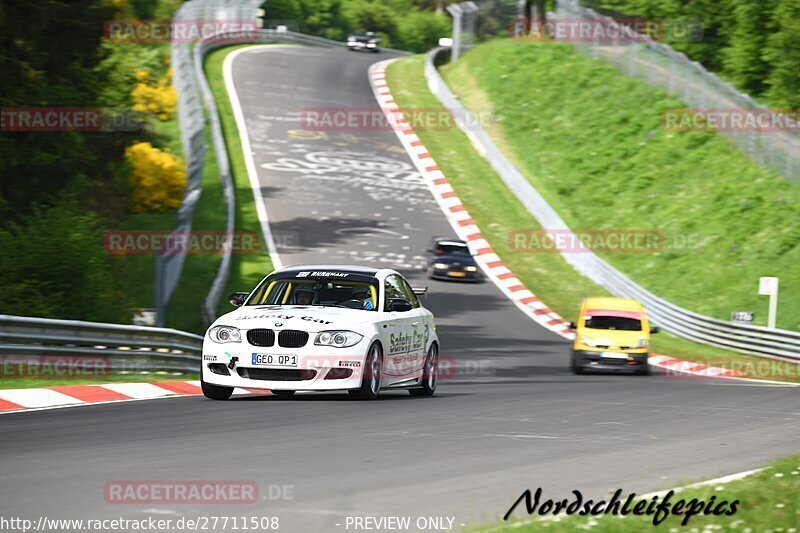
{"x":783,"y":54}
{"x":744,"y":58}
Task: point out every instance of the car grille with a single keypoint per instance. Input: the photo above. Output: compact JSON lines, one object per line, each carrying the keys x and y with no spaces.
{"x":261,"y":337}
{"x":291,"y":338}
{"x":276,"y":374}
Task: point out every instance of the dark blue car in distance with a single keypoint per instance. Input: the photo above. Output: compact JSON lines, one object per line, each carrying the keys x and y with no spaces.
{"x":451,"y":259}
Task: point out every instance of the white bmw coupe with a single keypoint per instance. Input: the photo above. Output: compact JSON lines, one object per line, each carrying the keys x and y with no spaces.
{"x":323,"y":328}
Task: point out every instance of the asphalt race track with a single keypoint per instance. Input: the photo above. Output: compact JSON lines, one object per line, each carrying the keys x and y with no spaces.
{"x":513,"y":417}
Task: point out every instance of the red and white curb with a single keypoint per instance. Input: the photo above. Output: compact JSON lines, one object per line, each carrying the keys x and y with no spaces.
{"x":15,"y":400}
{"x":494,"y":268}
{"x":458,"y":216}
{"x":679,"y":366}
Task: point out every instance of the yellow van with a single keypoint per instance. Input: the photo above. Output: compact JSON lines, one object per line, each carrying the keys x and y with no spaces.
{"x":611,"y":334}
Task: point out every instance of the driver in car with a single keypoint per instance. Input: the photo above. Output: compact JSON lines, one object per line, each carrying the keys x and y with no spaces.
{"x":362,"y":293}
{"x":303,"y":297}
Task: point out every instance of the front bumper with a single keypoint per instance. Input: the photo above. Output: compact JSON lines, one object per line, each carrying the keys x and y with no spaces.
{"x":314,"y":368}
{"x":456,"y":274}
{"x":615,"y":361}
{"x":362,"y":46}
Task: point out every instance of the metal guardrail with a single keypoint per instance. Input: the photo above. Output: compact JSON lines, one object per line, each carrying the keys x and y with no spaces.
{"x":191,"y":120}
{"x":770,"y":343}
{"x":127,"y":347}
{"x":658,"y":64}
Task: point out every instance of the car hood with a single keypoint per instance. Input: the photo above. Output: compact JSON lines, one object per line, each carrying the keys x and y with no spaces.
{"x":299,"y":317}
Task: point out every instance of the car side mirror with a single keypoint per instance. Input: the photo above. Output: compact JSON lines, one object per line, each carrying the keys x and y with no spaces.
{"x":654,"y":329}
{"x":400,"y":305}
{"x":237,"y":298}
{"x":573,"y":325}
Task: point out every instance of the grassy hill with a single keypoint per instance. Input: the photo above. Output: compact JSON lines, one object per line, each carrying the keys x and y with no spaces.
{"x":590,"y":140}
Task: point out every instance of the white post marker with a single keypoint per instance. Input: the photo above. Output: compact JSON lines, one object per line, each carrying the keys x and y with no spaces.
{"x":769,"y":287}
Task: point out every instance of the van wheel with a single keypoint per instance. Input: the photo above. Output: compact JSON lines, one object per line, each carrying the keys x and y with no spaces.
{"x":576,"y":368}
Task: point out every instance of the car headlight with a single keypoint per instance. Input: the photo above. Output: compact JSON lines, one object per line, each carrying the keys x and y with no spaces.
{"x":224,"y":334}
{"x":470,"y":268}
{"x":588,"y":342}
{"x":440,"y":266}
{"x":351,"y":39}
{"x":338,"y":338}
{"x":644,"y":343}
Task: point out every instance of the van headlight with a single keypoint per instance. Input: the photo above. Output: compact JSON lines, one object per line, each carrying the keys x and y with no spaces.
{"x":338,"y":338}
{"x":644,"y":343}
{"x":440,"y":266}
{"x":224,"y":334}
{"x":588,"y":342}
{"x":470,"y":268}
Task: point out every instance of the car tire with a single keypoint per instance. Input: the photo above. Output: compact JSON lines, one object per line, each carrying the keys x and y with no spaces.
{"x":576,"y":368}
{"x":644,"y":371}
{"x":370,"y":387}
{"x":283,"y":393}
{"x":215,"y":392}
{"x":430,"y":374}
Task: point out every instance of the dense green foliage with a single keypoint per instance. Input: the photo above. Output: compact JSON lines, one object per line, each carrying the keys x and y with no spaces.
{"x":61,"y":190}
{"x":402,"y":24}
{"x":754,"y":43}
{"x":53,"y":266}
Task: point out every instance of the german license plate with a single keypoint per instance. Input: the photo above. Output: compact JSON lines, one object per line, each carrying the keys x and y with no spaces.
{"x":614,"y":355}
{"x":274,"y":360}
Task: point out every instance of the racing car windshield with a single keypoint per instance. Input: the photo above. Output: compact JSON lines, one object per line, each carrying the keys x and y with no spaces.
{"x":351,"y":293}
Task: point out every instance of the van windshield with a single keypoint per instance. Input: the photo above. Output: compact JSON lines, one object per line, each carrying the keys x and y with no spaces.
{"x":613,"y":323}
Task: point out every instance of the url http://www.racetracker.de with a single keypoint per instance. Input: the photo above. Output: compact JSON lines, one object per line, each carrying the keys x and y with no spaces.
{"x":45,"y":524}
